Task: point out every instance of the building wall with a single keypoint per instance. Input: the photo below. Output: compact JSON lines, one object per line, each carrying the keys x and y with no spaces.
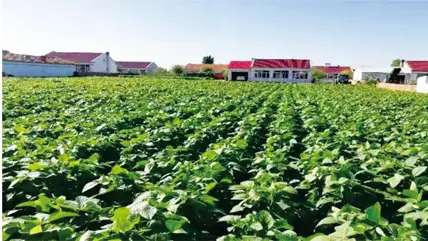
{"x":290,"y":75}
{"x":22,"y":69}
{"x":99,"y":64}
{"x":422,"y":85}
{"x":229,"y":72}
{"x":151,"y":68}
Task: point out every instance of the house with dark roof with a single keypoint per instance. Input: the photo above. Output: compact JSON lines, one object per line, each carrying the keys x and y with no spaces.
{"x":23,"y":65}
{"x":271,"y":70}
{"x":136,"y":67}
{"x":331,"y":72}
{"x":88,"y":62}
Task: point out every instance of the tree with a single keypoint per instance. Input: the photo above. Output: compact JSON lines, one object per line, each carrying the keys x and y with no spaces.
{"x":177,"y":69}
{"x":207,"y":70}
{"x":208,"y":59}
{"x":225,"y":73}
{"x":160,"y":71}
{"x":396,"y":63}
{"x":318,"y":74}
{"x":348,"y":73}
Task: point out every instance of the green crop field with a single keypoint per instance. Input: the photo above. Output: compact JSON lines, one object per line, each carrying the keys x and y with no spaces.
{"x":166,"y":159}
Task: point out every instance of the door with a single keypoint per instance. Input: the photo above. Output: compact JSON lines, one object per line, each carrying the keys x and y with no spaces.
{"x":243,"y":76}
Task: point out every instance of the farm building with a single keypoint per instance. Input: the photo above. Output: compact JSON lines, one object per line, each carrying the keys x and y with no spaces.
{"x":136,"y":67}
{"x":377,"y":73}
{"x":407,"y":72}
{"x":331,"y":72}
{"x":88,"y":62}
{"x":271,"y":70}
{"x":35,"y":66}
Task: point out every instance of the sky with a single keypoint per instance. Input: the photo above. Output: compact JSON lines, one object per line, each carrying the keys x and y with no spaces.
{"x":168,"y":32}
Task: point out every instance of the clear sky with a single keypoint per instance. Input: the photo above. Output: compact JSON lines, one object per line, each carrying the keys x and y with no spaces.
{"x":168,"y":32}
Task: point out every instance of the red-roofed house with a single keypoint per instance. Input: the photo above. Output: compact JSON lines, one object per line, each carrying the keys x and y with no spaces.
{"x":88,"y":62}
{"x":239,"y":70}
{"x":35,"y":66}
{"x":416,"y":68}
{"x":136,"y":67}
{"x":272,"y":70}
{"x":331,"y":72}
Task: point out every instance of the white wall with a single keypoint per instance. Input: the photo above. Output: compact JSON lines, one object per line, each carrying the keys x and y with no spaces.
{"x":422,"y":85}
{"x":23,"y":69}
{"x":229,"y":72}
{"x":99,"y":64}
{"x":290,"y":75}
{"x":151,"y":68}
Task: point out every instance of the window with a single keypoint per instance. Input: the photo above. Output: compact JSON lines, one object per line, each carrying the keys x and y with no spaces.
{"x":83,"y":68}
{"x":262,"y":74}
{"x":421,"y":75}
{"x":280,"y":74}
{"x":300,"y":75}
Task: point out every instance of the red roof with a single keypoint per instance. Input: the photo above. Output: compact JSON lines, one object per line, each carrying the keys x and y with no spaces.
{"x":333,"y":69}
{"x":282,"y":63}
{"x":7,"y":56}
{"x":133,"y":65}
{"x":76,"y":57}
{"x":418,"y":66}
{"x":240,"y":64}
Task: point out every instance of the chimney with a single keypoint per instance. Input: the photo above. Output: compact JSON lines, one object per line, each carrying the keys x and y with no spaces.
{"x":108,"y":62}
{"x":402,"y":63}
{"x":43,"y":58}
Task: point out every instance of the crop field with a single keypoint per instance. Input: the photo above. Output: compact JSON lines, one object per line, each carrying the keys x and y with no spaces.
{"x":165,"y":159}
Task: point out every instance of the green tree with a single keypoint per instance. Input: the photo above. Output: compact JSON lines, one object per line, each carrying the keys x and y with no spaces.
{"x":207,"y":70}
{"x":396,"y":63}
{"x":177,"y":69}
{"x":160,"y":71}
{"x":318,"y":74}
{"x":208,"y":59}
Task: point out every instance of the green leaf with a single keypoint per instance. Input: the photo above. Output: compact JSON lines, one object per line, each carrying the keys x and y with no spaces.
{"x":144,"y":209}
{"x":94,"y":158}
{"x":373,"y":213}
{"x":410,"y":193}
{"x":257,"y":226}
{"x":19,"y":128}
{"x":174,"y":225}
{"x":411,"y":161}
{"x":327,"y":221}
{"x":321,"y":237}
{"x":35,"y":166}
{"x":418,"y":170}
{"x":123,"y":221}
{"x":283,"y":224}
{"x":89,"y":186}
{"x":241,"y":144}
{"x":265,"y":218}
{"x":37,"y":229}
{"x":210,"y":186}
{"x":395,"y":180}
{"x":61,"y":214}
{"x":118,"y":170}
{"x":290,"y":190}
{"x":209,"y":155}
{"x":208,"y":199}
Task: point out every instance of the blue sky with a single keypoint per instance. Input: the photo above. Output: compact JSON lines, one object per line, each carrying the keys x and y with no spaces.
{"x":169,"y":32}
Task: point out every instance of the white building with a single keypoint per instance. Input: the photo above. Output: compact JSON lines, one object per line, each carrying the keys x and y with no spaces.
{"x":271,"y":70}
{"x":88,"y":62}
{"x":35,"y":66}
{"x":136,"y":67}
{"x":410,"y":71}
